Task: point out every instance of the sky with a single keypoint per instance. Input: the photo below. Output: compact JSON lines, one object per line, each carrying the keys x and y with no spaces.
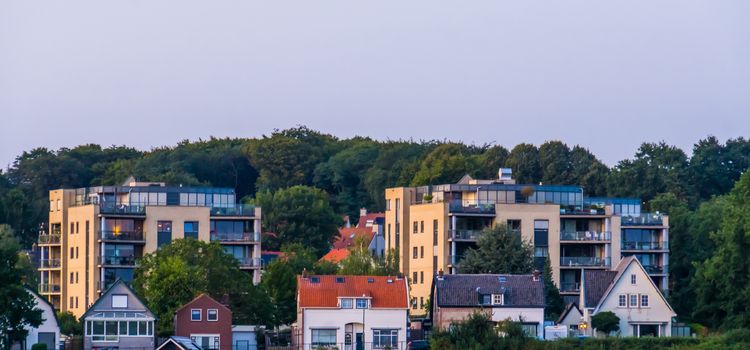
{"x":607,"y":75}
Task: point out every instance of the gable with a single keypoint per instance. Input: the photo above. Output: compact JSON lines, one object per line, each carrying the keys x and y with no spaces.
{"x":644,"y":285}
{"x":203,"y":301}
{"x":122,"y":293}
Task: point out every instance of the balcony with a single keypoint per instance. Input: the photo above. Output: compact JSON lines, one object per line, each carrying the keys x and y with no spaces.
{"x":119,"y":236}
{"x":576,"y":261}
{"x":585,"y":236}
{"x":570,"y":287}
{"x":238,"y":237}
{"x":47,"y":288}
{"x":582,"y":211}
{"x":249,"y":263}
{"x":49,"y":263}
{"x":656,"y":269}
{"x":121,"y":208}
{"x":127,"y":261}
{"x":49,"y":239}
{"x":465,"y":235}
{"x":234,"y":210}
{"x":471,"y":207}
{"x":645,"y":219}
{"x":645,"y":246}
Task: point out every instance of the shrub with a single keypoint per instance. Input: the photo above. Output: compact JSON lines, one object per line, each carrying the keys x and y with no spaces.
{"x":39,"y":346}
{"x":606,"y":322}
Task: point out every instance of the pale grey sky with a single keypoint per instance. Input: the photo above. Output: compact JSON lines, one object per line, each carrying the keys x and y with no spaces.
{"x":604,"y":74}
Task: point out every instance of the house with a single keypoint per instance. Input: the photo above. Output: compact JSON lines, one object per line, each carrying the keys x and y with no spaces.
{"x":631,"y":294}
{"x":501,"y":297}
{"x":48,"y":332}
{"x":369,"y":228}
{"x":571,"y":317}
{"x":206,"y":322}
{"x":351,"y":312}
{"x":336,"y":255}
{"x":244,"y":337}
{"x":178,"y":343}
{"x":118,"y":319}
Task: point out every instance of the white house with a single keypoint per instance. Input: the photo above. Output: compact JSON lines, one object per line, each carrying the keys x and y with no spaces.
{"x":351,"y":312}
{"x":629,"y":293}
{"x":516,"y":297}
{"x":48,"y":332}
{"x":571,"y":318}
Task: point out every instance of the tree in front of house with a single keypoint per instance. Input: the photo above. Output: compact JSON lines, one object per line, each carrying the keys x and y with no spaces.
{"x":606,"y":322}
{"x":184,"y":269}
{"x":17,"y":306}
{"x":553,"y":300}
{"x":499,"y":252}
{"x":69,"y":325}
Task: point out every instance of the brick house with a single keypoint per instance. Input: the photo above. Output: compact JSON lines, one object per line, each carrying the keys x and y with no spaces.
{"x":206,"y":322}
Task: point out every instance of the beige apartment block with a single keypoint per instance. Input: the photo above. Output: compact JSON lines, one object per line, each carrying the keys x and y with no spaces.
{"x":96,"y":235}
{"x":431,"y":228}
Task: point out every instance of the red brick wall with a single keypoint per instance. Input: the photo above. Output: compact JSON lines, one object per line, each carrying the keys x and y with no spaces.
{"x":184,"y":327}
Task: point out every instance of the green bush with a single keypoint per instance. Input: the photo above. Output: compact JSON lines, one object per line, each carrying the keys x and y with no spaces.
{"x":39,"y":346}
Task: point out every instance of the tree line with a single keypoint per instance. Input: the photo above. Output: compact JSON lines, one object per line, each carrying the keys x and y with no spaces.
{"x":305,"y":180}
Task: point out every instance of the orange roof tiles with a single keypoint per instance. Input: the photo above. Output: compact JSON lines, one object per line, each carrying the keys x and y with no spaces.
{"x":348,"y":235}
{"x":336,"y":255}
{"x":369,"y":217}
{"x":326,"y":291}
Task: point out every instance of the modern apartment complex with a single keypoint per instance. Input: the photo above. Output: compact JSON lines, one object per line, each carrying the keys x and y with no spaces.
{"x":432,"y":227}
{"x":96,"y":235}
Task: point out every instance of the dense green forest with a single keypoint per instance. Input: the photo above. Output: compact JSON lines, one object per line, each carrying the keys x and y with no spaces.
{"x":695,"y":189}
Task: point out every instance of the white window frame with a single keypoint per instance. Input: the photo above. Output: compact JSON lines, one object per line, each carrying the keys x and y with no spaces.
{"x":498,"y":299}
{"x":216,"y":314}
{"x":641,"y":299}
{"x":200,"y":315}
{"x":348,"y":301}
{"x":209,"y":336}
{"x":120,"y":298}
{"x":631,"y":297}
{"x":622,"y":301}
{"x":367,"y":303}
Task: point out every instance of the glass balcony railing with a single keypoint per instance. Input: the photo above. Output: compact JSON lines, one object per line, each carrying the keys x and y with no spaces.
{"x":49,"y":288}
{"x":570,"y":287}
{"x":645,"y":219}
{"x":49,"y":239}
{"x":656,"y":269}
{"x":645,"y":245}
{"x":471,"y":207}
{"x":250,"y":262}
{"x":235,"y":210}
{"x":121,"y":208}
{"x":118,"y":260}
{"x":585,"y":236}
{"x":236,"y":237}
{"x":121,"y":236}
{"x":49,"y":263}
{"x":566,"y":261}
{"x":582,"y":211}
{"x":467,"y":235}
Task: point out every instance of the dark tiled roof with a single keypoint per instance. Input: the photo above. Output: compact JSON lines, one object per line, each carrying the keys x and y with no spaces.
{"x":461,"y":290}
{"x":596,"y":282}
{"x":347,"y":236}
{"x":180,"y":342}
{"x":324,"y":291}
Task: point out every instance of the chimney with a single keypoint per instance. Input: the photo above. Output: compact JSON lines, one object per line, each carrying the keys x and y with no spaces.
{"x":399,"y":276}
{"x":536,"y":274}
{"x":362,"y":212}
{"x":440,"y":275}
{"x":304,"y":273}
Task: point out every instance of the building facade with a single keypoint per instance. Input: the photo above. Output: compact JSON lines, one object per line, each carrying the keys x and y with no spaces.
{"x":96,"y":235}
{"x":48,"y":332}
{"x":351,"y":312}
{"x":206,"y":322}
{"x":431,"y":227}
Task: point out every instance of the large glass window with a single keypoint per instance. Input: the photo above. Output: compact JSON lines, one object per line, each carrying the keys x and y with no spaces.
{"x":191,"y":229}
{"x":382,"y":338}
{"x":231,"y":226}
{"x":163,"y":233}
{"x":346,"y":303}
{"x":323,"y":337}
{"x":362,"y":303}
{"x":529,"y":329}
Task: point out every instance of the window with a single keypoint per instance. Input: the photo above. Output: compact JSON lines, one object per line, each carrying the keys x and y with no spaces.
{"x":72,"y":253}
{"x":421,"y":277}
{"x":58,"y":205}
{"x":212,"y":315}
{"x":498,"y":299}
{"x":414,"y":277}
{"x":323,"y":337}
{"x":132,"y":328}
{"x":119,"y":301}
{"x":385,"y":338}
{"x":339,"y":279}
{"x":415,"y":252}
{"x":76,"y":252}
{"x":71,"y":302}
{"x":191,"y":229}
{"x":529,"y":329}
{"x":541,"y":252}
{"x":486,"y":299}
{"x":434,"y":264}
{"x":206,"y":341}
{"x":72,"y":228}
{"x":633,"y":300}
{"x":421,"y":302}
{"x":51,"y":206}
{"x":195,"y":314}
{"x":541,"y":232}
{"x":644,"y":300}
{"x":361,"y":303}
{"x":71,"y":277}
{"x":421,"y":227}
{"x":347,"y":303}
{"x":76,"y":277}
{"x":87,"y":227}
{"x":415,"y":229}
{"x":387,"y":204}
{"x":77,"y":227}
{"x":163,"y":233}
{"x":421,"y":252}
{"x":622,"y":301}
{"x":434,"y":232}
{"x":414,"y":303}
{"x":632,"y":279}
{"x":514,"y":226}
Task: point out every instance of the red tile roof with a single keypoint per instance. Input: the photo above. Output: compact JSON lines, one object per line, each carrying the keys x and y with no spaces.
{"x":336,"y":255}
{"x":369,"y":217}
{"x":326,"y":291}
{"x":348,"y":235}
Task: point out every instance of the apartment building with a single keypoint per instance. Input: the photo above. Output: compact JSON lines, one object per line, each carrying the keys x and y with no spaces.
{"x":96,"y":235}
{"x":431,"y":227}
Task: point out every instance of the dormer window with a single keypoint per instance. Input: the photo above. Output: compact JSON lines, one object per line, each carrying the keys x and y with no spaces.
{"x":362,"y":303}
{"x":346,"y":303}
{"x":498,"y":299}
